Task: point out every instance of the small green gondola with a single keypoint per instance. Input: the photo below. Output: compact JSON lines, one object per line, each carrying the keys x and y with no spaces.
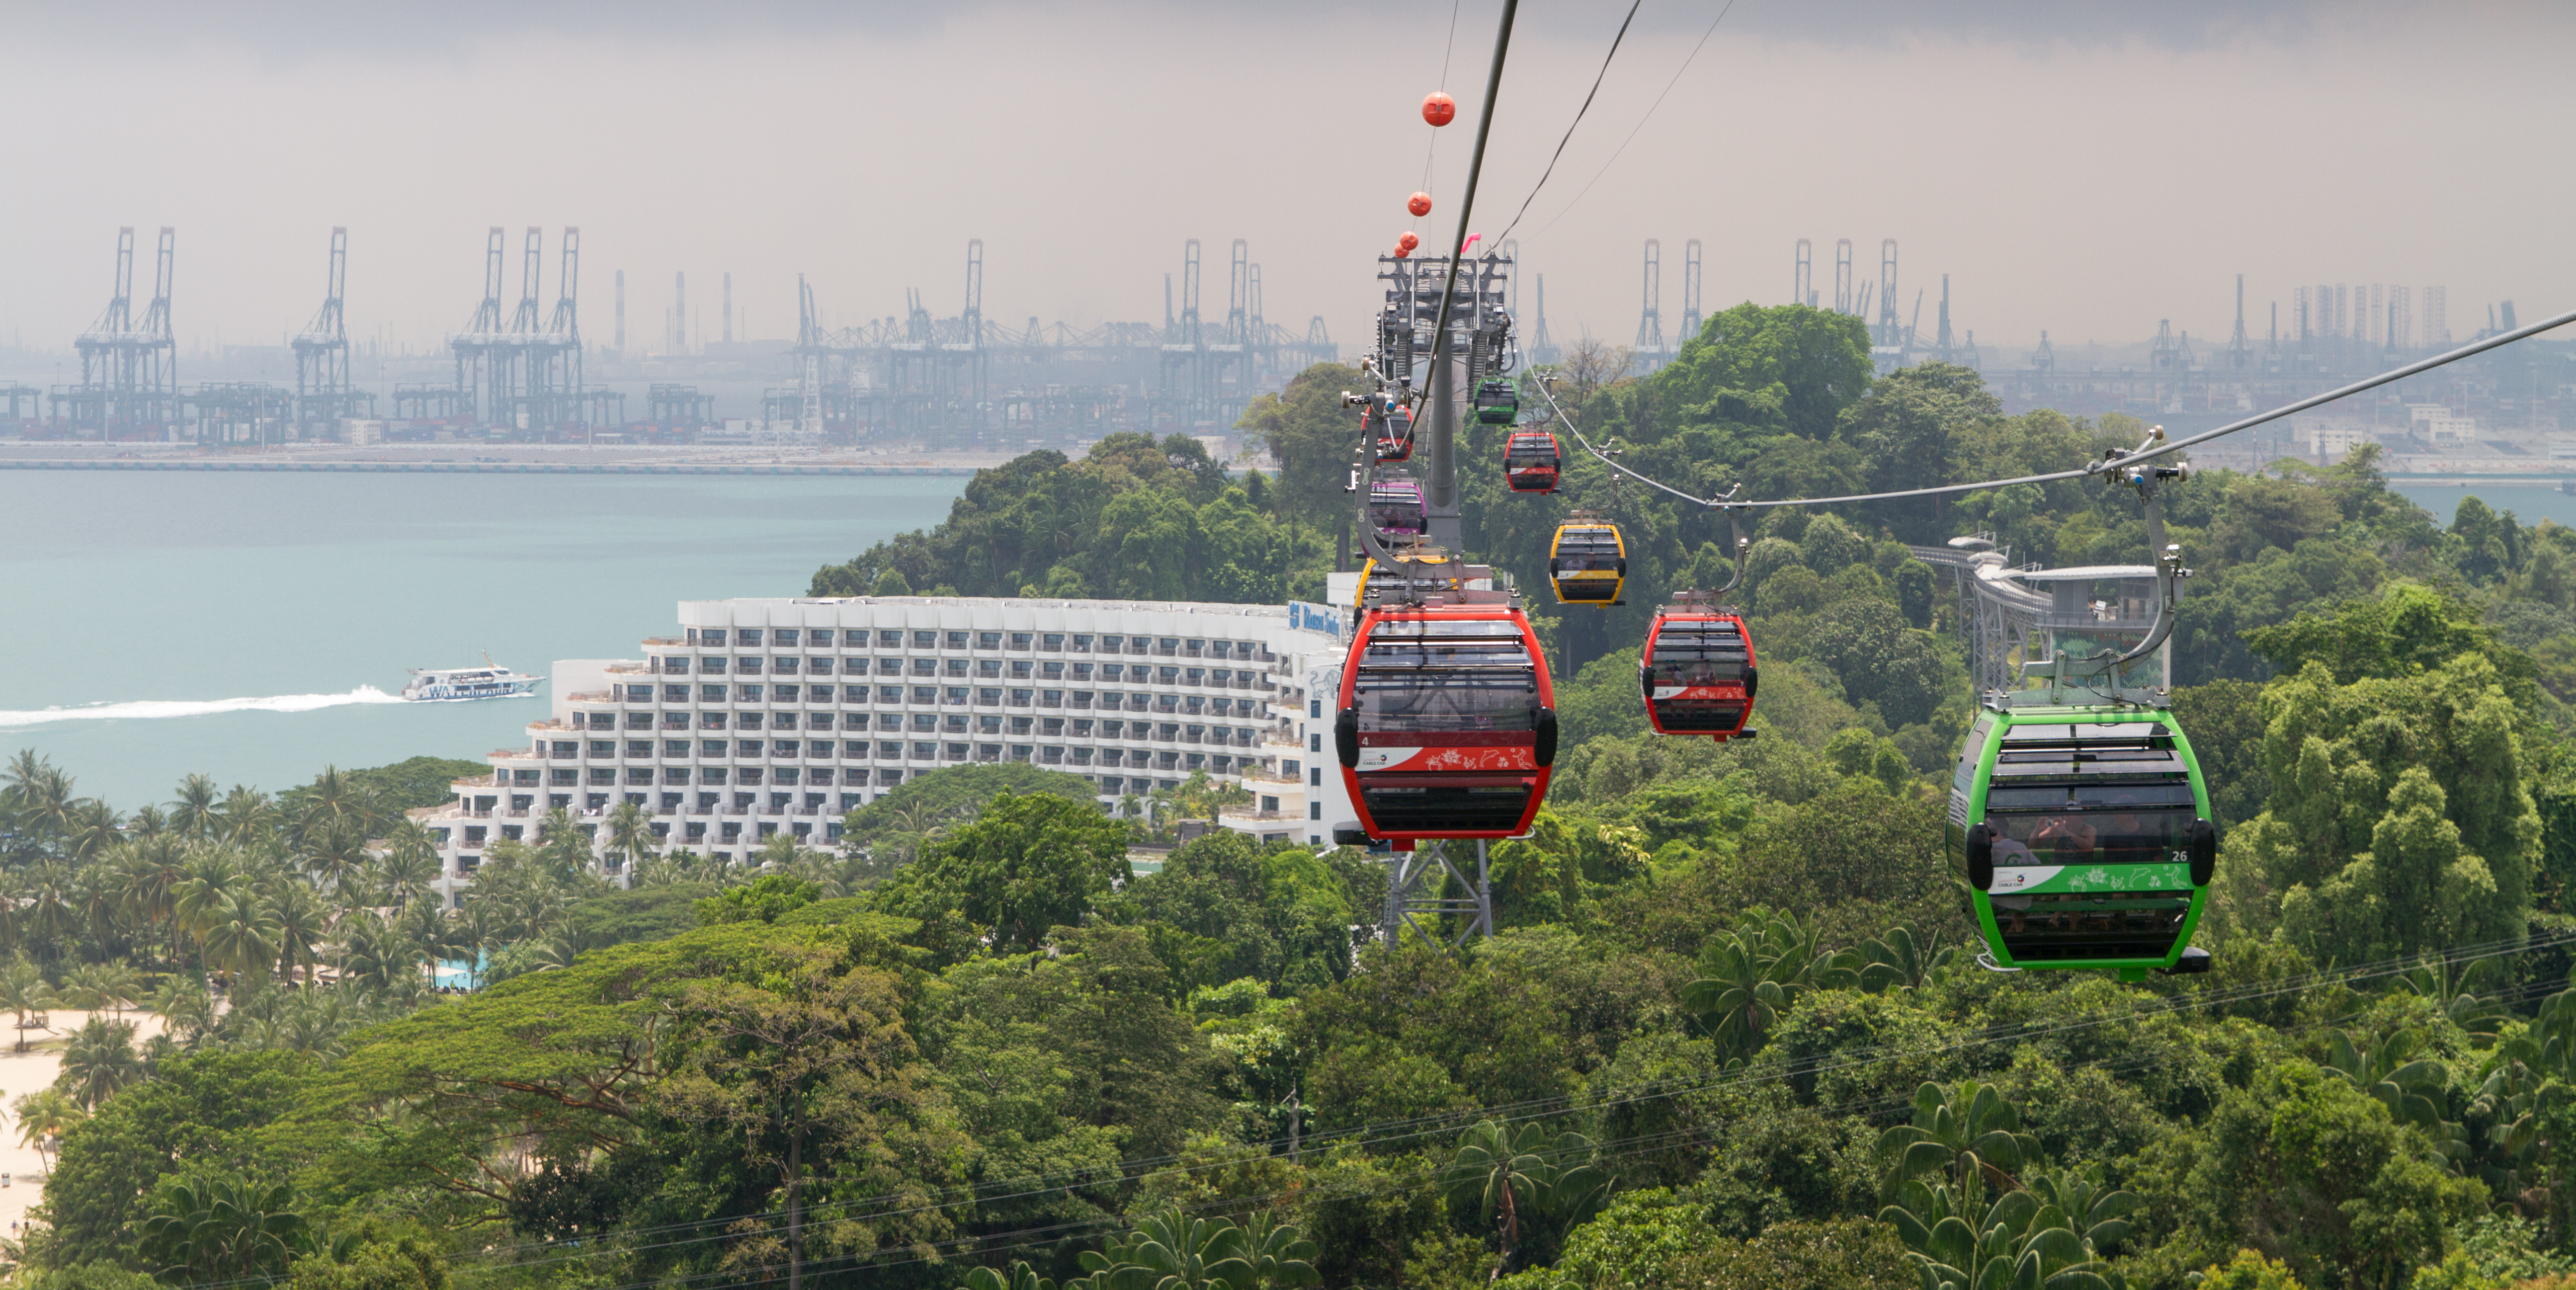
{"x":2082,"y":837}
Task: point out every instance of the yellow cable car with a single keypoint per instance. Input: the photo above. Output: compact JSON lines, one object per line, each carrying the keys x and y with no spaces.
{"x":1588,"y":562}
{"x":1429,"y":564}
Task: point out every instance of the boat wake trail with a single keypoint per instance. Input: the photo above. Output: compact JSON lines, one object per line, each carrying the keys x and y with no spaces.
{"x":193,"y":707}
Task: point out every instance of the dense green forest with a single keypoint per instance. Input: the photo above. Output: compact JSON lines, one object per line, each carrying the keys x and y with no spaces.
{"x":1729,"y":1032}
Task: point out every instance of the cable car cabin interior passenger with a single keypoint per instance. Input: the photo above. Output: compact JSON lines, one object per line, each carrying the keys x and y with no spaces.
{"x":1447,"y":726}
{"x":1699,"y":675}
{"x":1531,"y":462}
{"x":1588,"y":562}
{"x":2083,"y":837}
{"x":1395,"y":506}
{"x":1395,"y":435}
{"x":1497,"y":403}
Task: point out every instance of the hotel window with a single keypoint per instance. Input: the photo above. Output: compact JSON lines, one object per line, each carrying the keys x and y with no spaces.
{"x":1019,"y":640}
{"x":675,"y":774}
{"x":787,"y":693}
{"x":782,"y":664}
{"x":889,"y":667}
{"x":786,"y":748}
{"x":746,"y":748}
{"x":818,"y":666}
{"x":675,"y":747}
{"x":711,"y":665}
{"x":603,"y":747}
{"x":713,"y":748}
{"x":854,"y":694}
{"x":711,"y":721}
{"x":639,"y":774}
{"x":889,"y":639}
{"x":711,"y":636}
{"x":927,"y":667}
{"x":853,"y":638}
{"x":956,"y":640}
{"x":747,"y":666}
{"x":603,"y":775}
{"x":750,"y":694}
{"x":746,"y":721}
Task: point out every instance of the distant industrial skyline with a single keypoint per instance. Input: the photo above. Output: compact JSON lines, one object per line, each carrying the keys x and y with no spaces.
{"x":2081,"y":170}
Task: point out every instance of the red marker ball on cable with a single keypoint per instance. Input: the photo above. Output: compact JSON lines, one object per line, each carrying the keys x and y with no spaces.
{"x":1419,"y":204}
{"x":1404,"y":252}
{"x":1439,"y":108}
{"x":1407,"y":242}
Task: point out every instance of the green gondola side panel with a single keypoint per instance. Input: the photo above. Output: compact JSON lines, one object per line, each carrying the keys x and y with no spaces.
{"x":2088,"y":818}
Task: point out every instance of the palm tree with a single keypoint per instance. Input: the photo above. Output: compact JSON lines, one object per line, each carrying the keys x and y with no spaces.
{"x":241,"y":935}
{"x":376,"y":956}
{"x":99,"y":1060}
{"x":213,"y":877}
{"x":1970,"y":1135}
{"x":409,"y":865}
{"x":44,"y":1116}
{"x":94,"y":826}
{"x":335,"y":853}
{"x":302,"y":923}
{"x":47,"y":917}
{"x":23,"y":994}
{"x":204,"y":1229}
{"x":192,"y":815}
{"x":563,"y":848}
{"x":94,"y":900}
{"x":147,"y":822}
{"x":245,"y":817}
{"x":41,"y":796}
{"x":1748,"y":978}
{"x":147,"y":871}
{"x":117,"y":984}
{"x":334,"y":803}
{"x":630,"y":834}
{"x":183,"y":1004}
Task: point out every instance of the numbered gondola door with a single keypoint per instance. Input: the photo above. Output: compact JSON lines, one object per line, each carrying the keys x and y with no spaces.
{"x":1531,"y":462}
{"x":1447,"y":725}
{"x":1699,"y":675}
{"x":2082,"y":838}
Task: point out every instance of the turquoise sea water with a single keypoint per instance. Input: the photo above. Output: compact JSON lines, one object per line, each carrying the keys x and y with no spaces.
{"x":169,"y":595}
{"x":2529,"y":504}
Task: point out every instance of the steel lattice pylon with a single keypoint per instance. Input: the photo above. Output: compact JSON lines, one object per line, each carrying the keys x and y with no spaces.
{"x":1415,"y":880}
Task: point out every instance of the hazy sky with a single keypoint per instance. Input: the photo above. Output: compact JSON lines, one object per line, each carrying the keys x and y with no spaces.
{"x":2083,"y":167}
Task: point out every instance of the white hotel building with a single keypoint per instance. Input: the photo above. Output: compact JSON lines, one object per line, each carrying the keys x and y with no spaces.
{"x":764,"y":716}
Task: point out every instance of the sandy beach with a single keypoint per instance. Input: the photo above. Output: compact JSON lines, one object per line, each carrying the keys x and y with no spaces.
{"x":22,"y":1170}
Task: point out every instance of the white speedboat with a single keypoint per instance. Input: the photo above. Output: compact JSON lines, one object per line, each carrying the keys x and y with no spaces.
{"x":490,"y":681}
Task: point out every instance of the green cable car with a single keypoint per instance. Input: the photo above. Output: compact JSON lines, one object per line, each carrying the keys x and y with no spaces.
{"x":1498,"y":401}
{"x":2082,"y":837}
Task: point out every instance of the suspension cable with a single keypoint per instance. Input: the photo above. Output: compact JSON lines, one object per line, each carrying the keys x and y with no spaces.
{"x":1597,"y":78}
{"x":2469,"y":350}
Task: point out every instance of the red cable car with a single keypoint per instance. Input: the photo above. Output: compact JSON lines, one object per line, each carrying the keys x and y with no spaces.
{"x":1395,"y":435}
{"x":1447,"y":726}
{"x":1698,"y":671}
{"x":1530,"y":461}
